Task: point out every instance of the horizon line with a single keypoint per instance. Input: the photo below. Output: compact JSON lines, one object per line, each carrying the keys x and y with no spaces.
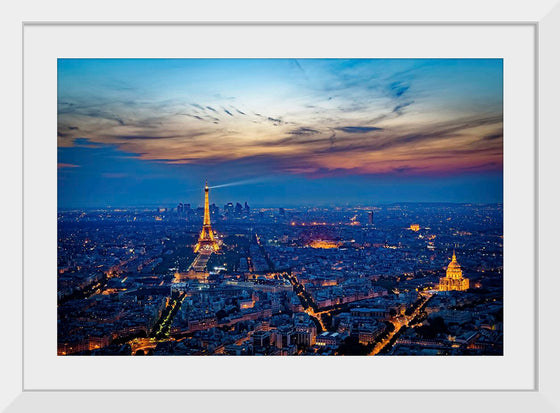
{"x":361,"y":205}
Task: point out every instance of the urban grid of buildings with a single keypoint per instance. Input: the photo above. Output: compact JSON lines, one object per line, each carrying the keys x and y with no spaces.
{"x":400,"y":279}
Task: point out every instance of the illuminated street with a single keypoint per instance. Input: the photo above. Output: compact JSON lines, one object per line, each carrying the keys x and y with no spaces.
{"x":280,"y":207}
{"x":401,"y":322}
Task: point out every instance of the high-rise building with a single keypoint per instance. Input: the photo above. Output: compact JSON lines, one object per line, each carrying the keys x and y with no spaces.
{"x":187,"y":211}
{"x":453,"y":280}
{"x":214,"y":210}
{"x":228,"y":208}
{"x":370,"y":218}
{"x":238,"y":209}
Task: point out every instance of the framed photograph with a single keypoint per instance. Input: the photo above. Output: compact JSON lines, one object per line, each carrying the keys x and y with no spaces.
{"x":287,"y":209}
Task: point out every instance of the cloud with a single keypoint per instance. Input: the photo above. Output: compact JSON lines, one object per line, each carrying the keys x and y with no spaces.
{"x":407,"y":169}
{"x":358,"y":129}
{"x":193,"y":116}
{"x":399,"y":108}
{"x":398,"y":88}
{"x":402,"y":149}
{"x":493,"y":136}
{"x":136,"y":137}
{"x":61,"y":165}
{"x":304,"y":131}
{"x":275,"y":121}
{"x":325,"y":119}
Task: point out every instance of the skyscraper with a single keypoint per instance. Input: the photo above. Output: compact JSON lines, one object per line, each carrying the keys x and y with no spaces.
{"x":228,"y":208}
{"x":238,"y":209}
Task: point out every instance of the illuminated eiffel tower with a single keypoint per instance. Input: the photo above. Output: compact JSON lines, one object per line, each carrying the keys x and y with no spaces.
{"x":206,"y":242}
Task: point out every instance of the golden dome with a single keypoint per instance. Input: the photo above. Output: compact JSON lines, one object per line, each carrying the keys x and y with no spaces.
{"x":454,"y":269}
{"x":453,"y":280}
{"x":454,"y":264}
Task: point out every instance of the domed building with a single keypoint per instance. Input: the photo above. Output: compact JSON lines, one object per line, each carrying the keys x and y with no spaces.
{"x":453,"y":280}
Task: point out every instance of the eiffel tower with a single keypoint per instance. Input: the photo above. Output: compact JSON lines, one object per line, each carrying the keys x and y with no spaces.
{"x":206,"y":242}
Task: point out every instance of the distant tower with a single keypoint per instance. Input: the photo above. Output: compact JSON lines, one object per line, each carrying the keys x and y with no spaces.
{"x":206,"y":242}
{"x":238,"y":209}
{"x":228,"y":208}
{"x":453,"y":280}
{"x":370,"y":218}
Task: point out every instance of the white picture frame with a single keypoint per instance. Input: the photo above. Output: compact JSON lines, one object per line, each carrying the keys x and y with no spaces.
{"x":544,"y":17}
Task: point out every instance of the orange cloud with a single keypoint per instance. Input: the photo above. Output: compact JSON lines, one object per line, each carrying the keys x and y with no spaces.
{"x":66,"y":165}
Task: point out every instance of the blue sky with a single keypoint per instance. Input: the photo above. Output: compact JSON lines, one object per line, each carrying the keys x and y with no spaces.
{"x":135,"y":132}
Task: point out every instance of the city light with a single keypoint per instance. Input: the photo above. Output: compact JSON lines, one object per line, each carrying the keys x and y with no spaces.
{"x":280,"y":207}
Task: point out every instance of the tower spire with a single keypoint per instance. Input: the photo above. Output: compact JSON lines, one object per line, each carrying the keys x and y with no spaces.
{"x":206,"y":241}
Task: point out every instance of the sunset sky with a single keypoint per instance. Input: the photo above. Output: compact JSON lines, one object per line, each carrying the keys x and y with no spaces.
{"x":287,"y":132}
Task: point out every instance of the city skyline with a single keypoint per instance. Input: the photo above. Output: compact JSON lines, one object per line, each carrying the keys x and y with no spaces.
{"x":280,"y":207}
{"x":286,"y":132}
{"x":397,"y":280}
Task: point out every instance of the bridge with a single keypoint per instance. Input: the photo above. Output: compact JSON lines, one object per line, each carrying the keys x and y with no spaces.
{"x":146,"y":345}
